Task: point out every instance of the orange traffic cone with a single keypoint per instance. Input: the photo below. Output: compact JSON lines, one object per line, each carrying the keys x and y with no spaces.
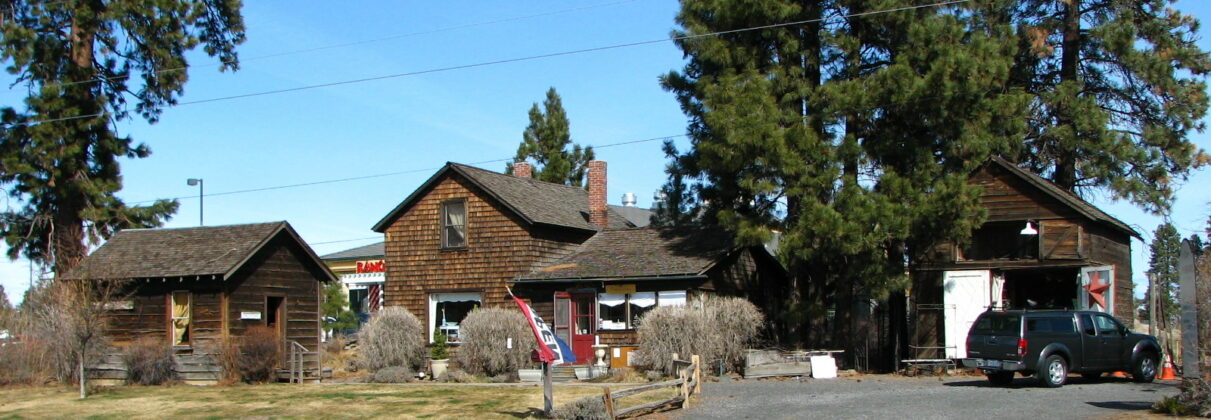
{"x":1118,"y":374}
{"x":1167,"y":373}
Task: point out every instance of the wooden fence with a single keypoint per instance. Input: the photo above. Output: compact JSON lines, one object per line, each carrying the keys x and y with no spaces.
{"x":688,"y":383}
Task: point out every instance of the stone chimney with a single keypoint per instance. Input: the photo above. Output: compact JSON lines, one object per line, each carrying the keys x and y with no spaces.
{"x":598,"y":211}
{"x":523,"y":169}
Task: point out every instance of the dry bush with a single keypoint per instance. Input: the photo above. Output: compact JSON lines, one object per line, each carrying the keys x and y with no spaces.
{"x":59,"y":326}
{"x":459,"y":376}
{"x":393,"y":375}
{"x":715,"y":328}
{"x":485,"y":334}
{"x":258,"y":354}
{"x":149,"y":361}
{"x":393,"y":337}
{"x":586,"y":408}
{"x":1194,"y":400}
{"x":227,"y":355}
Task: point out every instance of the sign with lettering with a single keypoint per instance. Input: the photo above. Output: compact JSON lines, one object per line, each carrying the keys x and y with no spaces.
{"x":620,"y":288}
{"x":250,"y":315}
{"x":371,"y":266}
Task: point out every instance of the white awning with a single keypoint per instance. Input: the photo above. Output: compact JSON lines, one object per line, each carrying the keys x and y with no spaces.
{"x":363,"y":278}
{"x":611,"y":299}
{"x":643,"y":299}
{"x":672,"y":298}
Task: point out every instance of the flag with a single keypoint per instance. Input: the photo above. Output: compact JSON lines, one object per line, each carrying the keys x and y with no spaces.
{"x":550,"y":348}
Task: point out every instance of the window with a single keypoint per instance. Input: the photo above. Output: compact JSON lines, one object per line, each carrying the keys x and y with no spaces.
{"x":621,"y":311}
{"x":358,"y":302}
{"x":998,"y":324}
{"x":447,"y":311}
{"x":1052,"y":325}
{"x":180,"y":314}
{"x":1002,"y":241}
{"x":454,"y":224}
{"x":1106,"y":325}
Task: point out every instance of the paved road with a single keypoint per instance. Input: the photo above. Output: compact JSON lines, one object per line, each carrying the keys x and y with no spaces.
{"x":885,"y":396}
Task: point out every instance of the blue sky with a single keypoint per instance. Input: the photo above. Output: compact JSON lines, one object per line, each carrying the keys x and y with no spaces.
{"x":414,"y":124}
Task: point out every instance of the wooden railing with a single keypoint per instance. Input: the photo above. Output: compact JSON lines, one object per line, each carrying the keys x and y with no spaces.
{"x":296,"y":361}
{"x":688,"y":383}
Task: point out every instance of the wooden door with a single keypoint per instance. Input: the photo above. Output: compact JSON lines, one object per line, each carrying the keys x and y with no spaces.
{"x":583,"y":322}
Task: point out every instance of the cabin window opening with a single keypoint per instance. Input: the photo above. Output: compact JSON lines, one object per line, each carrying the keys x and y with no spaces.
{"x":181,"y":318}
{"x":447,"y":311}
{"x":454,"y":224}
{"x":622,"y":311}
{"x":1002,"y":241}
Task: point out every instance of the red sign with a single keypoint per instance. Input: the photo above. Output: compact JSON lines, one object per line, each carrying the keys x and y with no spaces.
{"x":373,"y":266}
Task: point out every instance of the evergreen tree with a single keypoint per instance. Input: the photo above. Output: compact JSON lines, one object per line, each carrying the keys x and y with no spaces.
{"x":545,"y":142}
{"x":1162,"y":266}
{"x":1117,"y":87}
{"x":854,"y":138}
{"x":337,"y":316}
{"x":85,"y":63}
{"x":676,"y":206}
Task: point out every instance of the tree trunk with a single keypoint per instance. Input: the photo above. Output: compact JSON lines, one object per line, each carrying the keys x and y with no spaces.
{"x":83,"y":378}
{"x":67,"y":237}
{"x":1066,"y":160}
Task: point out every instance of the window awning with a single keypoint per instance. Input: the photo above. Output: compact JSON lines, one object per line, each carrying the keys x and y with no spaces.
{"x":673,"y":298}
{"x":363,"y":278}
{"x":643,"y":299}
{"x":611,"y":299}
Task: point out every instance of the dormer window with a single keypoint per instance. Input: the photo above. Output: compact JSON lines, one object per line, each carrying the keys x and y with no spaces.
{"x":454,"y":224}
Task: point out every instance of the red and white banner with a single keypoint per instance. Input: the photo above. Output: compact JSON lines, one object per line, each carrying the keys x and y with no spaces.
{"x":550,"y":348}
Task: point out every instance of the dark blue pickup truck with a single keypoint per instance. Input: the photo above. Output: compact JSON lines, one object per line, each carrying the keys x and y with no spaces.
{"x":1049,"y":344}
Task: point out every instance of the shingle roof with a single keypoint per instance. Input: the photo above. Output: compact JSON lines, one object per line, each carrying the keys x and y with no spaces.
{"x":374,"y":250}
{"x":1067,"y":197}
{"x":638,"y":216}
{"x":639,"y":253}
{"x":200,"y":251}
{"x":533,"y":200}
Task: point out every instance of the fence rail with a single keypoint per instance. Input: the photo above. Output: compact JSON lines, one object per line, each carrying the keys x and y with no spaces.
{"x":688,"y":383}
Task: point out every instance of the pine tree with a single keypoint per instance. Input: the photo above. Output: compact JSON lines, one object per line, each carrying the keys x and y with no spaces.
{"x":1162,"y":266}
{"x":1117,"y":86}
{"x":85,"y":63}
{"x":854,"y":138}
{"x":545,"y":142}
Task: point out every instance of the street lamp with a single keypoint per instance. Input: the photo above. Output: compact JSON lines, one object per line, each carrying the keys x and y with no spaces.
{"x":201,"y":190}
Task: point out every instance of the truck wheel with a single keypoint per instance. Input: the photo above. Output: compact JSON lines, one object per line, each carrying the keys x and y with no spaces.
{"x":1053,"y":372}
{"x":1000,"y":378}
{"x":1144,"y":369}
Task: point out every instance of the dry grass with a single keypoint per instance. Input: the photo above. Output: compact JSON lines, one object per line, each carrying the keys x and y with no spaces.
{"x":301,"y":401}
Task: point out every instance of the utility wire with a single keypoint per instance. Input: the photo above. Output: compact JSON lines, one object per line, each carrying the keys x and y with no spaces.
{"x":540,"y":56}
{"x":346,"y":240}
{"x":374,"y":40}
{"x":358,"y":178}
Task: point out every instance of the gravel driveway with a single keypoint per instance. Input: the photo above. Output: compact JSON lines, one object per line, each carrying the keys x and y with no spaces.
{"x":886,"y":396}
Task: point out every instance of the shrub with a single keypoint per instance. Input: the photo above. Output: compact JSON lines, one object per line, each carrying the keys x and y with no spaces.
{"x":459,"y":376}
{"x":715,"y":328}
{"x":392,"y":337}
{"x":440,"y":349}
{"x":485,"y":334}
{"x":1194,"y":400}
{"x":393,"y":375}
{"x":149,"y":361}
{"x":258,"y":354}
{"x":587,"y":408}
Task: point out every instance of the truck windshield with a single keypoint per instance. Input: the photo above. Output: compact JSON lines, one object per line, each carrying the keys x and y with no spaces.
{"x":997,"y":325}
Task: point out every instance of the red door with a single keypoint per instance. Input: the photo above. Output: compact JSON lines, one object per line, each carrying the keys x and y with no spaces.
{"x":583,"y":323}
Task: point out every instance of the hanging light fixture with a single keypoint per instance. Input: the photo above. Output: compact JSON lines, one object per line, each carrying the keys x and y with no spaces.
{"x":1029,"y":229}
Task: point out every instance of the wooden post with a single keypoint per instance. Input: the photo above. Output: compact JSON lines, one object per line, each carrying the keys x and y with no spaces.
{"x":685,"y":387}
{"x":609,"y":402}
{"x":546,"y":388}
{"x":697,"y":374}
{"x":1189,"y":312}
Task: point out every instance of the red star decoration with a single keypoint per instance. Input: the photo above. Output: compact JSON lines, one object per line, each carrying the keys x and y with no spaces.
{"x":1097,"y":289}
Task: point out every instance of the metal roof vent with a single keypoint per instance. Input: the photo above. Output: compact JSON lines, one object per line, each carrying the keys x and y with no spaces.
{"x":629,"y":200}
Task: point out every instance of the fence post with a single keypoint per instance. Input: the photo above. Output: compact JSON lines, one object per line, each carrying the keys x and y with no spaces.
{"x":697,"y":374}
{"x":609,"y":402}
{"x":685,"y":387}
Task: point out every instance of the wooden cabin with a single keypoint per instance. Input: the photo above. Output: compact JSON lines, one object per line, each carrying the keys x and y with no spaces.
{"x":1040,"y":247}
{"x":196,"y":287}
{"x":467,"y":234}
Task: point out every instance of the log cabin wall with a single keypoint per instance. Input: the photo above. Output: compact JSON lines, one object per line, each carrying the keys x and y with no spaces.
{"x":149,"y":317}
{"x":278,"y":270}
{"x":499,"y":247}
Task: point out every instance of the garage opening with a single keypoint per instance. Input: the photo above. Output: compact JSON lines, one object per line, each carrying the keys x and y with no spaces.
{"x":1050,"y":288}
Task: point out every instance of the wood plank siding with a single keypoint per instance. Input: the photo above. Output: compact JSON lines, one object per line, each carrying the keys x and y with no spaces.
{"x":277,"y":270}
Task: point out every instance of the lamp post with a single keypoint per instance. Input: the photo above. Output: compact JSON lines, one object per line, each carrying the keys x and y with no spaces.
{"x":201,"y":193}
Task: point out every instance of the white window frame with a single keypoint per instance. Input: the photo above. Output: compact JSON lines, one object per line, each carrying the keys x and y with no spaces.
{"x":172,"y":318}
{"x":434,"y":298}
{"x":670,"y":295}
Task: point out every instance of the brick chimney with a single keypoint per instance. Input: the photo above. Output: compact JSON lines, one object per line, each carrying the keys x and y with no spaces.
{"x":523,"y":169}
{"x":598,"y":213}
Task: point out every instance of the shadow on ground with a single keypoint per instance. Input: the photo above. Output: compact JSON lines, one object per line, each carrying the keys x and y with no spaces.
{"x":1122,"y":405}
{"x":529,"y":414}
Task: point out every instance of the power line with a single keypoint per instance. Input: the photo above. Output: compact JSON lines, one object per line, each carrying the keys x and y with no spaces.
{"x":358,"y":178}
{"x":542,"y":56}
{"x":346,"y":240}
{"x":374,"y":40}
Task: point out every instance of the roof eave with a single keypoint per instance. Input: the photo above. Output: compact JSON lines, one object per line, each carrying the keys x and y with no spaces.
{"x":1114,"y":223}
{"x":610,"y":279}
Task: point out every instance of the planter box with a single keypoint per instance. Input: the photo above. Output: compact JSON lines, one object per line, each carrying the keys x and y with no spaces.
{"x":530,"y":375}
